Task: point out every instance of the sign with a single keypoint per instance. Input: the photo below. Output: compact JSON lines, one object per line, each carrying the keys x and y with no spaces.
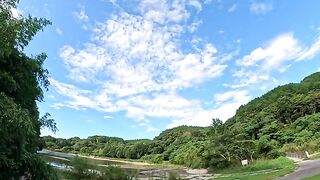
{"x":244,"y":162}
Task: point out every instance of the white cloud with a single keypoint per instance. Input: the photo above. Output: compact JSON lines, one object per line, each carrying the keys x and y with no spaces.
{"x":82,"y":17}
{"x":232,"y":8}
{"x":59,"y":31}
{"x":260,"y":7}
{"x":152,"y":129}
{"x":228,"y":103}
{"x":81,"y":14}
{"x":146,"y":123}
{"x":196,"y":4}
{"x":57,"y":106}
{"x":137,"y":66}
{"x":221,"y":32}
{"x":279,"y":50}
{"x":107,"y":117}
{"x":311,"y":51}
{"x":77,"y":98}
{"x":207,"y":1}
{"x":194,"y":26}
{"x":248,"y":77}
{"x":277,"y":55}
{"x":230,"y":95}
{"x":125,"y":38}
{"x":84,"y":64}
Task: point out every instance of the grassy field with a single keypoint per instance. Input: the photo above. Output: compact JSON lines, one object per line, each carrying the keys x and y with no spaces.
{"x":260,"y":169}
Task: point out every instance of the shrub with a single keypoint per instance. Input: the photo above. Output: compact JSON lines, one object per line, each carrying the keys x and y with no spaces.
{"x":80,"y":167}
{"x":153,"y":158}
{"x":116,"y":173}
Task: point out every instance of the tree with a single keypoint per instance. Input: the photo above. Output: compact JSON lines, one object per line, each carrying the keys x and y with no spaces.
{"x":21,"y":81}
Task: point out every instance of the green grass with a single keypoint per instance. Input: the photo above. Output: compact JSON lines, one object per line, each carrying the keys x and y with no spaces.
{"x":316,"y":177}
{"x":260,"y":169}
{"x":316,"y":156}
{"x":62,"y":175}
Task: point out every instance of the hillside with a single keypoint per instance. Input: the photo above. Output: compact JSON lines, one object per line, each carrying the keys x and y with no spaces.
{"x":272,"y":114}
{"x":285,"y":119}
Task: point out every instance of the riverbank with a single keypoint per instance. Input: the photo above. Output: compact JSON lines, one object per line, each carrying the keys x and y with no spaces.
{"x":145,"y":169}
{"x":119,"y":162}
{"x":260,"y":169}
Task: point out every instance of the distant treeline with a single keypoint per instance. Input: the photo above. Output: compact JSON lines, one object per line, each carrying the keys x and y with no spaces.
{"x":286,"y":119}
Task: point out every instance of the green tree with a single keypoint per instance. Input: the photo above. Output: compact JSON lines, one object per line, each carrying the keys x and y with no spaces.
{"x":21,"y":81}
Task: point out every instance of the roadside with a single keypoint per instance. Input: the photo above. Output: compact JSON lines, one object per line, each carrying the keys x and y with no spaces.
{"x":260,"y":169}
{"x":306,"y":168}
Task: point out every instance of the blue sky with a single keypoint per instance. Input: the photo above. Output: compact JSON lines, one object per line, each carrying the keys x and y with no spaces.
{"x":135,"y":68}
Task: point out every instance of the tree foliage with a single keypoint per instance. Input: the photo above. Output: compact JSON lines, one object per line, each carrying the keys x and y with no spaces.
{"x":21,"y":81}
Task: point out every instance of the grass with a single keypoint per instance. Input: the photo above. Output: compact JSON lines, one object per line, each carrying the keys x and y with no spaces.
{"x":315,"y":156}
{"x":316,"y":177}
{"x":62,"y":175}
{"x":260,"y":169}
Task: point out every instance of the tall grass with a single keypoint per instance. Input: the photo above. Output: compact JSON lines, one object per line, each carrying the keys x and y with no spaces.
{"x":263,"y":164}
{"x":260,"y":169}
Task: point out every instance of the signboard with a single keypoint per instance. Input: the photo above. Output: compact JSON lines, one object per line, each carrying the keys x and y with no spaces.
{"x":244,"y":162}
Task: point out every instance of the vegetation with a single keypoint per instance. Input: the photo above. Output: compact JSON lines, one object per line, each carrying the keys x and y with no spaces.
{"x":286,"y":119}
{"x":165,"y":147}
{"x":21,"y":81}
{"x":260,"y":169}
{"x":82,"y":169}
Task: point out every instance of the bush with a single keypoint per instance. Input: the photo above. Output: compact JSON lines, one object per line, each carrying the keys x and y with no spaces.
{"x":40,"y":170}
{"x":173,"y":176}
{"x":263,"y":164}
{"x":80,"y":168}
{"x":116,"y":173}
{"x":153,"y":158}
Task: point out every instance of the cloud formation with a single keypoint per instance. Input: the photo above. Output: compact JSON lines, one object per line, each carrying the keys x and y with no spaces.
{"x":260,"y":7}
{"x":136,"y":64}
{"x":277,"y":55}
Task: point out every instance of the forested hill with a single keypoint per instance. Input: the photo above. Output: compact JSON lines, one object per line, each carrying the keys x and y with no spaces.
{"x":283,"y":120}
{"x":282,"y":98}
{"x":271,"y":114}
